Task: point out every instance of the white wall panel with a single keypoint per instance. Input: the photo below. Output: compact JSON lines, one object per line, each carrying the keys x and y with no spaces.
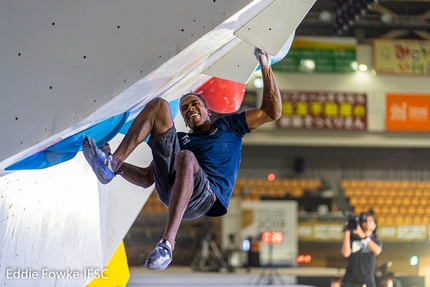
{"x":63,"y":60}
{"x":270,"y":29}
{"x":49,"y":222}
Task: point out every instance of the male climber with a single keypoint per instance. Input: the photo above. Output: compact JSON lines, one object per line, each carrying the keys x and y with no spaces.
{"x":194,"y":173}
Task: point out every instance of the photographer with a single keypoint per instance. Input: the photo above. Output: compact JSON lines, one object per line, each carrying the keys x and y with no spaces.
{"x":360,"y":246}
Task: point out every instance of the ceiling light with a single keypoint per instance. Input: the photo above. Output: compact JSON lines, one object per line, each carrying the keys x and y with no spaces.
{"x":258,"y":83}
{"x":309,"y":65}
{"x":362,"y":67}
{"x":386,"y":18}
{"x":325,"y":16}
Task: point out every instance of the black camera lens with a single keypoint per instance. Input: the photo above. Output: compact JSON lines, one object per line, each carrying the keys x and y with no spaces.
{"x":352,"y":222}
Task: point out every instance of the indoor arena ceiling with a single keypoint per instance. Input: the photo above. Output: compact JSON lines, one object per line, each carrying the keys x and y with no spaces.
{"x":368,"y":19}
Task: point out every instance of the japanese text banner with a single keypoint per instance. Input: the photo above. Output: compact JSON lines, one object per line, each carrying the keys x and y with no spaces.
{"x":407,"y":112}
{"x":323,"y":110}
{"x":401,"y":56}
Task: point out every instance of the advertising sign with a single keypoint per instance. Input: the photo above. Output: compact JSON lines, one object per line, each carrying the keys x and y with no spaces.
{"x":332,"y":232}
{"x":328,"y":110}
{"x":276,"y":218}
{"x":326,"y":55}
{"x":396,"y":56}
{"x":407,"y":112}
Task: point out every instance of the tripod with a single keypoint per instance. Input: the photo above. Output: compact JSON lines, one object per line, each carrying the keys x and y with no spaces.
{"x":207,"y":244}
{"x":270,"y":272}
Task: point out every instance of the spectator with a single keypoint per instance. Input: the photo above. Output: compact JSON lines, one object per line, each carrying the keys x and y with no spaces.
{"x":361,"y":246}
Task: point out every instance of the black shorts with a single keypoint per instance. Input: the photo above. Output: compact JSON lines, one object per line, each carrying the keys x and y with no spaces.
{"x":164,"y":150}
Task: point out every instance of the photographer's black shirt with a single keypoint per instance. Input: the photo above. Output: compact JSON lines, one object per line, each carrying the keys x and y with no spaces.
{"x":361,"y":262}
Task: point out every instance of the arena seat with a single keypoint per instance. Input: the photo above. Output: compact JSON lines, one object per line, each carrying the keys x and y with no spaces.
{"x":394,"y":201}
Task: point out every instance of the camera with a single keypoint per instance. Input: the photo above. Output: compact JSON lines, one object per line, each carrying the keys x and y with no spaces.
{"x":352,"y":222}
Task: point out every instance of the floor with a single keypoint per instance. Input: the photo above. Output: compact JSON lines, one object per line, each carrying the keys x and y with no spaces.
{"x":185,"y":277}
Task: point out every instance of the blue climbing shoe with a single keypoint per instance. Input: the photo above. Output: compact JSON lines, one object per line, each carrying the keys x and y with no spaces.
{"x":161,"y":257}
{"x":100,"y":161}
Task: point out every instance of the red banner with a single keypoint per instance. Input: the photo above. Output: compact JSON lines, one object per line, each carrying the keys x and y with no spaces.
{"x":323,"y":110}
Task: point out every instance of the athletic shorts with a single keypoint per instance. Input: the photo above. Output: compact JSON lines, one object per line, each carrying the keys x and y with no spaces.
{"x":164,"y":150}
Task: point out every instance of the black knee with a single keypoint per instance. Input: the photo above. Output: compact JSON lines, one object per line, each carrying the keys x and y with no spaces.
{"x":158,"y":104}
{"x":186,"y":159}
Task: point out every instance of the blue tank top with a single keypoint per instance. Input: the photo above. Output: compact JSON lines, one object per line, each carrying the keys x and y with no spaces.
{"x":218,"y":152}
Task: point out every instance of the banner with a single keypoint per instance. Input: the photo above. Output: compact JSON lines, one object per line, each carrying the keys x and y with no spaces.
{"x":407,"y":112}
{"x":272,"y":215}
{"x":332,"y":232}
{"x":319,"y":55}
{"x":323,"y":110}
{"x":401,"y":56}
